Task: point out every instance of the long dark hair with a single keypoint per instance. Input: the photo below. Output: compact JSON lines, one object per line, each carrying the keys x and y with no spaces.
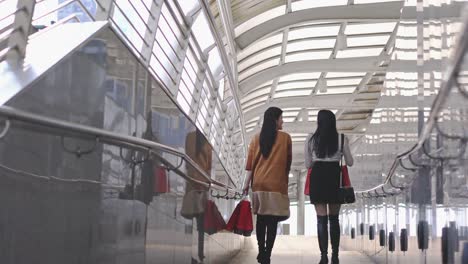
{"x":325,"y":138}
{"x":269,"y":130}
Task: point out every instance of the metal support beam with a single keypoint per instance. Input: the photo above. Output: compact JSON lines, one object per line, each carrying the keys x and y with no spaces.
{"x":21,"y":26}
{"x":225,"y":60}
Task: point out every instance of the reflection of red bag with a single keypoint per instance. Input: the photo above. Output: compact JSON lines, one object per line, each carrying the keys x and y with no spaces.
{"x":214,"y":221}
{"x":307,"y":184}
{"x":161,"y":183}
{"x":344,"y":172}
{"x":241,"y":219}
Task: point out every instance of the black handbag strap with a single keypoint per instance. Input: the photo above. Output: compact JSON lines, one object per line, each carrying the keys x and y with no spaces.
{"x":341,"y":161}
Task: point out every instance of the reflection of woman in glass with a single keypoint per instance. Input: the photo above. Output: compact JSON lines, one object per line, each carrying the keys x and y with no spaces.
{"x":195,"y":198}
{"x":269,"y":161}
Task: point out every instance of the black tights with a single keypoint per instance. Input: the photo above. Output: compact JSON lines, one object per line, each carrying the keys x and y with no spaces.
{"x":266,"y":224}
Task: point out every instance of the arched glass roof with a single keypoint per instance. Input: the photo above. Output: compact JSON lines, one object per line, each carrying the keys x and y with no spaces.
{"x":307,"y":55}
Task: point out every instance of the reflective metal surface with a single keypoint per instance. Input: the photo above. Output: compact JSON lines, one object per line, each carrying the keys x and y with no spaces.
{"x":134,"y":215}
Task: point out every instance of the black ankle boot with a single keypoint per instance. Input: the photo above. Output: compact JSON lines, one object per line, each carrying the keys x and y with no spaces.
{"x":322,"y":234}
{"x":335,"y":237}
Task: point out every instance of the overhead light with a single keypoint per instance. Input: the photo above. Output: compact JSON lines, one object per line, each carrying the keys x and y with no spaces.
{"x":322,"y":85}
{"x":341,"y":41}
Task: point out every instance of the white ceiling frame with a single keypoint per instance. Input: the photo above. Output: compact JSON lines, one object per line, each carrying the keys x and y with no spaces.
{"x":389,"y":11}
{"x":360,"y":64}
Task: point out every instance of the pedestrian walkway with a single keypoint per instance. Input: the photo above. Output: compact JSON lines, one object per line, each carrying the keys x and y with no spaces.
{"x":294,"y":249}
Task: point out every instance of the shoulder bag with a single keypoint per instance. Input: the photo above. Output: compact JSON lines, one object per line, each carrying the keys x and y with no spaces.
{"x":346,"y":191}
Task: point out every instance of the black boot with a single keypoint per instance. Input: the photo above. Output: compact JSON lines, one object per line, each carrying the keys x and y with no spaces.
{"x":335,"y":237}
{"x":261,"y":230}
{"x":322,"y":234}
{"x":272,"y":226}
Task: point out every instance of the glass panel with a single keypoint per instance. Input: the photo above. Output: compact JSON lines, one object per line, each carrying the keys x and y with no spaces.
{"x":260,"y":45}
{"x":311,"y":44}
{"x":202,"y":32}
{"x":306,"y":4}
{"x":255,"y":101}
{"x":214,"y":61}
{"x":249,"y":61}
{"x":315,"y":55}
{"x":124,"y":25}
{"x":188,"y":5}
{"x":260,"y":18}
{"x":360,"y":28}
{"x":345,"y":74}
{"x":256,"y":93}
{"x":300,"y":76}
{"x":367,"y":41}
{"x":294,"y":85}
{"x":161,"y":72}
{"x":221,"y":89}
{"x":337,"y":90}
{"x":258,"y":68}
{"x":291,"y":93}
{"x":313,"y":31}
{"x":340,"y":82}
{"x":352,"y":53}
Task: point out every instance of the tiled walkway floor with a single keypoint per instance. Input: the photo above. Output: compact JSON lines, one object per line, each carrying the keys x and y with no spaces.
{"x":294,"y":249}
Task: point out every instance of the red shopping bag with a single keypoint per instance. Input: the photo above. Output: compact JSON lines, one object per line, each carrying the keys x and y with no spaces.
{"x":213,"y":221}
{"x":161,"y":182}
{"x":345,"y":180}
{"x":307,"y":184}
{"x":241,"y":219}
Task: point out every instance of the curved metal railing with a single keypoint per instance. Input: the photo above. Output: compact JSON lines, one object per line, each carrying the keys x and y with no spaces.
{"x":63,"y":128}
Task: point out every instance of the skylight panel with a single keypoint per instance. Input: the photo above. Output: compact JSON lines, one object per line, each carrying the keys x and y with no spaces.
{"x":255,"y":101}
{"x":202,"y":32}
{"x":371,"y":1}
{"x":339,"y":82}
{"x":289,"y":119}
{"x":214,"y":60}
{"x":188,"y":5}
{"x":290,"y":113}
{"x":342,"y":90}
{"x":313,"y":31}
{"x":345,"y":74}
{"x":310,"y":44}
{"x":292,"y":93}
{"x":260,"y":45}
{"x":352,"y":53}
{"x":259,"y":19}
{"x":360,"y":28}
{"x":367,"y":41}
{"x":251,"y":71}
{"x":257,"y":93}
{"x":300,"y":76}
{"x":315,"y":55}
{"x":256,"y":58}
{"x":296,"y":85}
{"x":306,"y":4}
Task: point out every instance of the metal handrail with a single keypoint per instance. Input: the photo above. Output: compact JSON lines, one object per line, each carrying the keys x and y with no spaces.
{"x":450,"y":79}
{"x":65,"y":128}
